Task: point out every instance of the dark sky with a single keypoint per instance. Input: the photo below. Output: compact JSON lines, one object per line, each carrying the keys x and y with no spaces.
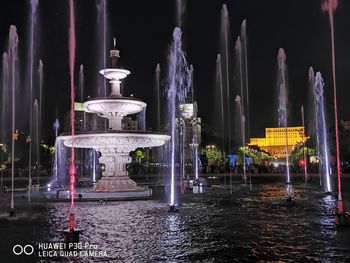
{"x":144,"y":31}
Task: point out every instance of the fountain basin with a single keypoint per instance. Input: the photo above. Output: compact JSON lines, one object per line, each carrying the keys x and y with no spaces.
{"x":115,"y":147}
{"x":121,"y":141}
{"x":114,"y":73}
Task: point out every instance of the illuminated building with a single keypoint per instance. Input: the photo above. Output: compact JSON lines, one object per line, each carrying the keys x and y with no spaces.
{"x":275,"y":140}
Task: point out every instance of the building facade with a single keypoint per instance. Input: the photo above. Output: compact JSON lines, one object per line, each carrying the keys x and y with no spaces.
{"x":276,"y":139}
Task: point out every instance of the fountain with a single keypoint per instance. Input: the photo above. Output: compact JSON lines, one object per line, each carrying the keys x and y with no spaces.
{"x":178,"y":85}
{"x":314,"y":117}
{"x":306,"y":176}
{"x":282,"y":113}
{"x":115,"y":144}
{"x":103,"y":38}
{"x":330,"y":6}
{"x":225,"y":39}
{"x":244,"y":56}
{"x":220,"y":87}
{"x":36,"y":139}
{"x":157,"y":91}
{"x":33,"y":16}
{"x":56,"y":127}
{"x":322,"y":133}
{"x":12,"y":51}
{"x":239,"y":102}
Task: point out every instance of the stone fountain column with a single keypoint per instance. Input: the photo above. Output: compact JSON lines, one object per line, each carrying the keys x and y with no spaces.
{"x":115,"y":176}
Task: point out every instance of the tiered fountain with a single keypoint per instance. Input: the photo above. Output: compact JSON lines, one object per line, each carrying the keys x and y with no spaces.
{"x":115,"y":144}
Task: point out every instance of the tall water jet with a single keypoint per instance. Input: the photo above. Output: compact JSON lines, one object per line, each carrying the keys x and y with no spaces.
{"x":56,"y":127}
{"x":81,"y":91}
{"x":191,"y":99}
{"x":315,"y":118}
{"x":12,"y":51}
{"x":282,"y":112}
{"x":180,"y":10}
{"x":322,"y":137}
{"x":37,"y":140}
{"x":245,"y":69}
{"x":225,"y":40}
{"x":72,"y":234}
{"x":102,"y":40}
{"x":81,"y":82}
{"x":240,"y":99}
{"x":304,"y":140}
{"x":33,"y":10}
{"x":239,"y":102}
{"x":178,"y":84}
{"x":41,"y":83}
{"x":157,"y":93}
{"x":330,"y":6}
{"x":221,"y":88}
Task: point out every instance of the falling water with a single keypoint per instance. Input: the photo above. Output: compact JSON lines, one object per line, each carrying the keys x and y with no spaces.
{"x":330,"y":6}
{"x":71,"y":72}
{"x":322,"y":132}
{"x":36,"y":140}
{"x":245,"y":70}
{"x":12,"y":51}
{"x":102,"y":40}
{"x":282,"y":109}
{"x":224,"y":32}
{"x":178,"y":84}
{"x":141,"y":120}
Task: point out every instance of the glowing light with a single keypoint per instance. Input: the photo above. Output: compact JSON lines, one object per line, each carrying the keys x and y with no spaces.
{"x":71,"y":71}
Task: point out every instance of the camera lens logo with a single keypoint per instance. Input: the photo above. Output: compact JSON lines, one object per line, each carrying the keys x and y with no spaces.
{"x":19,"y":250}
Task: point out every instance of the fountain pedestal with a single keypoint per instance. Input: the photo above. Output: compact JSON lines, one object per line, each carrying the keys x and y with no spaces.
{"x":115,"y":176}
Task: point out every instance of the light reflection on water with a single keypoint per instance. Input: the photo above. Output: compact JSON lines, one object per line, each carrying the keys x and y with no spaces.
{"x":215,"y":226}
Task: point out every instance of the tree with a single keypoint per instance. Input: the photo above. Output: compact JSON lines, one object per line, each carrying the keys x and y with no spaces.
{"x":258,"y":155}
{"x":212,"y":153}
{"x":298,"y":153}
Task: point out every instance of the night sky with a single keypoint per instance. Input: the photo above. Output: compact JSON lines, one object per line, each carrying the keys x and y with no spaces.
{"x":144,"y":31}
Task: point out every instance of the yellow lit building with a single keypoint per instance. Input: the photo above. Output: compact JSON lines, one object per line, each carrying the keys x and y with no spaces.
{"x":275,"y":140}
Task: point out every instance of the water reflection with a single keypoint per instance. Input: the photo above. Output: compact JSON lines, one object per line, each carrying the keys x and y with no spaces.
{"x":214,"y":226}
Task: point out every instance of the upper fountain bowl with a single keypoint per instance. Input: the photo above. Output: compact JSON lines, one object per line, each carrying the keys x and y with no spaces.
{"x":114,"y":106}
{"x":114,"y":73}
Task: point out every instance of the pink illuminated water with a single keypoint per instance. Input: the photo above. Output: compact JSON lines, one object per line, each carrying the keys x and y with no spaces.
{"x":71,"y":72}
{"x":330,"y":6}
